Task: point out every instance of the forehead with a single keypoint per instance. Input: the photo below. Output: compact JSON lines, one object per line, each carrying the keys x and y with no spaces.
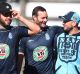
{"x":42,"y":13}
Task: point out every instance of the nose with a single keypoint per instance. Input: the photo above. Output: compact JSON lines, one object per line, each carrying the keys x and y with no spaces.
{"x":9,"y":18}
{"x":45,"y":20}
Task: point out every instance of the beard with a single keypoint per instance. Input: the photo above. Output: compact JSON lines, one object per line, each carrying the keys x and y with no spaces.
{"x":3,"y":24}
{"x":67,"y":31}
{"x":43,"y":25}
{"x":44,"y":28}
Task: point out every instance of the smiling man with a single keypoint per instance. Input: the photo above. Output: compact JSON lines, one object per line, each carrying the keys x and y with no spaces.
{"x":67,"y":45}
{"x":10,"y":36}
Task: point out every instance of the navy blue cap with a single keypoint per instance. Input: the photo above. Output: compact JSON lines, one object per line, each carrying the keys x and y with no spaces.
{"x":71,"y":16}
{"x":5,"y":7}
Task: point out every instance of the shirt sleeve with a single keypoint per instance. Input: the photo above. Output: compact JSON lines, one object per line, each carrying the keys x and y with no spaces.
{"x":55,"y":49}
{"x":22,"y":31}
{"x":58,"y":29}
{"x":22,"y":46}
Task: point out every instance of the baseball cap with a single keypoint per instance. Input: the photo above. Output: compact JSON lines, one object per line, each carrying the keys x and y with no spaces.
{"x":5,"y":7}
{"x":71,"y":16}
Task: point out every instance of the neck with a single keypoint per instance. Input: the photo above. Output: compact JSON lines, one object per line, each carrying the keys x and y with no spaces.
{"x":2,"y":27}
{"x":74,"y":31}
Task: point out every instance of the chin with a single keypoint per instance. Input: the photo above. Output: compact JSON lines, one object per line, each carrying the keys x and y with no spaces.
{"x":43,"y":25}
{"x":8,"y":24}
{"x":67,"y":31}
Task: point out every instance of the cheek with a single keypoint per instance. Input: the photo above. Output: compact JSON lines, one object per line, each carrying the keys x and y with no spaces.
{"x":66,"y":26}
{"x":40,"y":19}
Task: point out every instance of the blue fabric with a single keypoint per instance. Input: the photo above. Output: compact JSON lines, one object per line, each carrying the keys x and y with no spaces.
{"x":38,"y":51}
{"x":68,"y":58}
{"x":8,"y":49}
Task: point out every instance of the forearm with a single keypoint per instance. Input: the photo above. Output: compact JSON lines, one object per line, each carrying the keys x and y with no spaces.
{"x":19,"y":63}
{"x":34,"y":28}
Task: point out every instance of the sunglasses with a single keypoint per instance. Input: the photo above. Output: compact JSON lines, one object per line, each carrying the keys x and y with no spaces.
{"x":65,"y":21}
{"x":7,"y":14}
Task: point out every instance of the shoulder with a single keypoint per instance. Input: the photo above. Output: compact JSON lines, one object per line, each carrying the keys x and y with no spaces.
{"x":56,"y":28}
{"x":19,"y":28}
{"x":16,"y":27}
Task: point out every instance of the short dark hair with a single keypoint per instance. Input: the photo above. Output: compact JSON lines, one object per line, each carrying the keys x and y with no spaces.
{"x":36,"y":9}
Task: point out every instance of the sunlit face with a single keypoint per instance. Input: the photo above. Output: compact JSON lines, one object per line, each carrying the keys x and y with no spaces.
{"x":68,"y":26}
{"x":41,"y":18}
{"x":5,"y":19}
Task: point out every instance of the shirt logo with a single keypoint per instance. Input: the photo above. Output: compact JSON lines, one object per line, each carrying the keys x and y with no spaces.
{"x":10,"y":35}
{"x":40,"y":53}
{"x":68,"y":49}
{"x":4,"y":51}
{"x":30,"y":40}
{"x":47,"y":36}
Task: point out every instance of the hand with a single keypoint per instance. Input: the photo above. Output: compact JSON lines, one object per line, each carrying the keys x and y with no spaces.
{"x":15,"y":14}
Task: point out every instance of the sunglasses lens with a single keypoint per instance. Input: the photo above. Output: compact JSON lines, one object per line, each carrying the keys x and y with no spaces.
{"x":65,"y":21}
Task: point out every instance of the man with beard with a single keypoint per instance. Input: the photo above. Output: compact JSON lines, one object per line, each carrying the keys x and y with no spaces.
{"x":10,"y":36}
{"x":38,"y":49}
{"x":67,"y":45}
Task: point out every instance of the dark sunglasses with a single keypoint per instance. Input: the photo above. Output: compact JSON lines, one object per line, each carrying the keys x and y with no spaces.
{"x":7,"y":14}
{"x":65,"y":21}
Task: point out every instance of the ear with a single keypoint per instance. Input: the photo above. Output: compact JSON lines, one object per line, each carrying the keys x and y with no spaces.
{"x":34,"y":17}
{"x":74,"y":23}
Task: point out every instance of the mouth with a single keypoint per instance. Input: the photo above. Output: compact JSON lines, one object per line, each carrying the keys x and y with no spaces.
{"x":43,"y":25}
{"x":8,"y":21}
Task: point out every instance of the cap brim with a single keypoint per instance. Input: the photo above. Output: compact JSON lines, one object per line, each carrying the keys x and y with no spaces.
{"x":62,"y":17}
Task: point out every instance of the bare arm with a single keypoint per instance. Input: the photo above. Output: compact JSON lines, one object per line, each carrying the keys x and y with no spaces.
{"x":33,"y":28}
{"x":19,"y":62}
